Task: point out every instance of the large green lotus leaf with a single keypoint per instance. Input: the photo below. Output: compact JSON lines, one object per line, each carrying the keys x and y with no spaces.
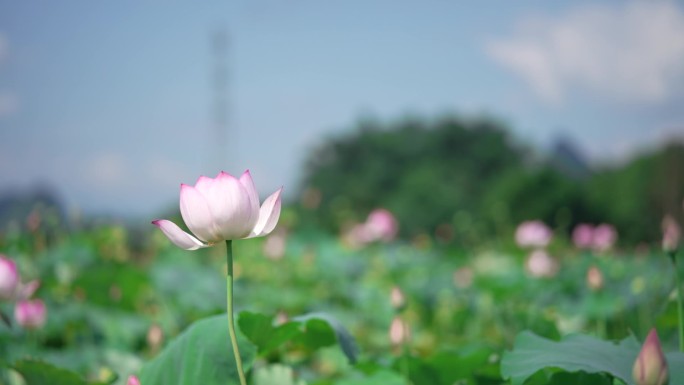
{"x":318,"y":327}
{"x":37,"y":372}
{"x":315,"y":330}
{"x":260,"y":331}
{"x":454,"y":366}
{"x":575,"y":353}
{"x":202,"y":354}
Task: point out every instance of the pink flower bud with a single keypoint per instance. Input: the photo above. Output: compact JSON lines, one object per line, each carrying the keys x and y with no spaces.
{"x":30,"y":314}
{"x":9,"y":278}
{"x":399,"y":332}
{"x":397,"y":298}
{"x":671,"y":234}
{"x":133,"y":380}
{"x":594,"y":278}
{"x":533,"y":234}
{"x":650,"y":367}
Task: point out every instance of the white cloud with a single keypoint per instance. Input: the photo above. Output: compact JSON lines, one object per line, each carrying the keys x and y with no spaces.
{"x":630,"y":52}
{"x":9,"y":103}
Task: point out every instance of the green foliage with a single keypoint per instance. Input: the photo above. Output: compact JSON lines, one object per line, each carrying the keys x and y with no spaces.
{"x":637,"y":196}
{"x":41,"y":373}
{"x":200,"y":355}
{"x":312,"y":331}
{"x":469,"y":179}
{"x":422,"y":172}
{"x":380,"y":377}
{"x":575,"y":353}
{"x":275,"y":375}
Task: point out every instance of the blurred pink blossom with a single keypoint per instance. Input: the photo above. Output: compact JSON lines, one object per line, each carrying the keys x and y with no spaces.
{"x":382,"y":225}
{"x":604,"y":237}
{"x":397,"y":298}
{"x":533,"y":234}
{"x":9,"y":278}
{"x":26,"y":290}
{"x":133,"y":380}
{"x":671,"y":234}
{"x":540,"y":264}
{"x":599,"y":238}
{"x":399,"y":332}
{"x":594,"y":278}
{"x":30,"y":314}
{"x":583,"y":236}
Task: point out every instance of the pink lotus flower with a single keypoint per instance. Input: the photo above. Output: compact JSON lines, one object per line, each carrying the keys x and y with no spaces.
{"x":671,"y":234}
{"x":533,"y":234}
{"x":219,"y":209}
{"x":604,"y":237}
{"x":650,"y":367}
{"x":9,"y":278}
{"x":600,"y":238}
{"x":381,"y":225}
{"x":30,"y":314}
{"x":583,"y":236}
{"x":541,"y":265}
{"x":133,"y":380}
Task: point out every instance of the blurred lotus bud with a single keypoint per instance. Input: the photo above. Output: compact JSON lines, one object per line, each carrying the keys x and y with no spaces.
{"x":25,"y":290}
{"x":281,"y":318}
{"x":356,"y":236}
{"x":583,"y":236}
{"x":594,"y":278}
{"x":274,"y":246}
{"x":155,"y":337}
{"x":463,"y":277}
{"x":30,"y":314}
{"x":671,"y":234}
{"x":381,"y":225}
{"x":540,"y":264}
{"x":397,"y":298}
{"x":533,"y":234}
{"x":650,"y":367}
{"x":133,"y":380}
{"x":9,"y":278}
{"x":399,"y":332}
{"x":604,"y":237}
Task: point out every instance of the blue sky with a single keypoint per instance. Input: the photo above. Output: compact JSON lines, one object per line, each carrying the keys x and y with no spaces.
{"x":110,"y":102}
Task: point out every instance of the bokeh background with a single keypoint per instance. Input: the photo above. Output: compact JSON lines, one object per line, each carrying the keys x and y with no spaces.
{"x":108,"y":107}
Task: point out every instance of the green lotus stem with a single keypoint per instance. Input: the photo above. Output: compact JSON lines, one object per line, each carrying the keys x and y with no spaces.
{"x":229,"y":310}
{"x":680,"y":310}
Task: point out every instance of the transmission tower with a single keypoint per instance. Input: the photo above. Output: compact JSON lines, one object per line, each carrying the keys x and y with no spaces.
{"x":222,"y":154}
